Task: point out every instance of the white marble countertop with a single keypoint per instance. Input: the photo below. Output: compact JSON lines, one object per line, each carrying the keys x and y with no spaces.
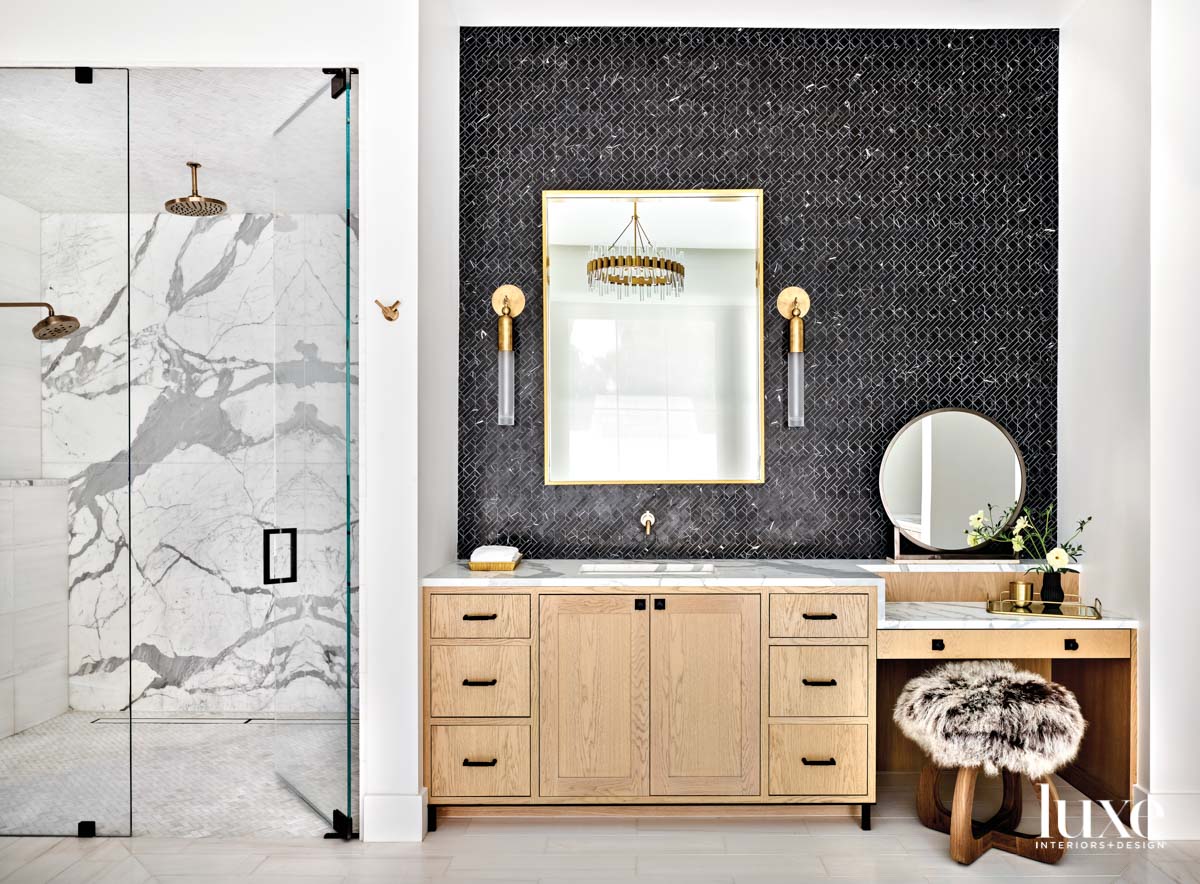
{"x":31,"y":483}
{"x":728,"y":572}
{"x":974,"y":615}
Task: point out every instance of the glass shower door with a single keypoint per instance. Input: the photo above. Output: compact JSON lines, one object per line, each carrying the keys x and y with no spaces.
{"x":315,"y":655}
{"x":65,"y":729}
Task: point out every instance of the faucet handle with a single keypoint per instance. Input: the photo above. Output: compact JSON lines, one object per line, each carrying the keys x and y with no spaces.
{"x":647,"y":521}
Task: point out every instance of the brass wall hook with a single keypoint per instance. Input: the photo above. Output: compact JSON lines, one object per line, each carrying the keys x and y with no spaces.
{"x":391,"y":314}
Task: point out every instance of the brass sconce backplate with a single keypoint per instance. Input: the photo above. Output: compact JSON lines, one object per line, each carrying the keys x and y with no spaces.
{"x":792,"y":298}
{"x":514,"y":296}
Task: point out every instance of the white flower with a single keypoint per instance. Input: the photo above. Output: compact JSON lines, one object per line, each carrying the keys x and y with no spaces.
{"x":1021,"y":525}
{"x":1018,"y":543}
{"x":974,"y":538}
{"x":1057,"y":558}
{"x":976,"y":521}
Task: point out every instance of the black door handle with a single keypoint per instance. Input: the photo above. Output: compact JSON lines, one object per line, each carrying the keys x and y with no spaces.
{"x":819,"y":616}
{"x":467,"y":762}
{"x":639,"y":604}
{"x":819,"y":684}
{"x":938,"y":644}
{"x":480,"y":616}
{"x":828,"y":762}
{"x":1070,"y":644}
{"x":467,"y":683}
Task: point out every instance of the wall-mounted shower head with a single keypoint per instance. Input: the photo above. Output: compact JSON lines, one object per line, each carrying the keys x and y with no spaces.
{"x":53,"y":327}
{"x":195,"y":205}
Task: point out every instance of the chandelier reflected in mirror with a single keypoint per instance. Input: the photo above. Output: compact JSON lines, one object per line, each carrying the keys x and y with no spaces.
{"x":635,"y":266}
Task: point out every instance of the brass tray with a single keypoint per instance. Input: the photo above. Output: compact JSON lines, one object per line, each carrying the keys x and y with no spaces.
{"x":1065,"y":610}
{"x":495,"y":566}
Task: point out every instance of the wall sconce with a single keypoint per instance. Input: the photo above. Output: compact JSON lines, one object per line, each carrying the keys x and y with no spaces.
{"x":508,"y":301}
{"x":793,"y":305}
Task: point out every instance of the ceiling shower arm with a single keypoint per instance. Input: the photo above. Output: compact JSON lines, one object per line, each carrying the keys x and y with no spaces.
{"x":28,"y":304}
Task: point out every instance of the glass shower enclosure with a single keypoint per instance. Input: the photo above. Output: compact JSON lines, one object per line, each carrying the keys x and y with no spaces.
{"x":178,"y":475}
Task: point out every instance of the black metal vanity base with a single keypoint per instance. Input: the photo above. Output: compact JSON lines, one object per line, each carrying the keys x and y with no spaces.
{"x":431,"y":818}
{"x":865,"y":821}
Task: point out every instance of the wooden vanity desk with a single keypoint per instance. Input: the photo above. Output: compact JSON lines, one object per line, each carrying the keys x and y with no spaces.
{"x":935,"y":613}
{"x":758,"y":688}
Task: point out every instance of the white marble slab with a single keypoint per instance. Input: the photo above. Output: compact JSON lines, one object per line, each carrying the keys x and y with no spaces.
{"x":740,"y":572}
{"x":974,"y":615}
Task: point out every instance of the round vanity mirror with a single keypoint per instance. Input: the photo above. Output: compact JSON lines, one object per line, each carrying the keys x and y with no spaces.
{"x":943,"y":467}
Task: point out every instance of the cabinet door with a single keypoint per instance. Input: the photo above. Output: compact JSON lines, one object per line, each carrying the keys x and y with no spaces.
{"x":704,"y":695}
{"x":594,"y":695}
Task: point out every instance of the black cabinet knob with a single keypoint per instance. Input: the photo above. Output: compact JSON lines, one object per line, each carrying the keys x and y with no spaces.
{"x":1071,"y":644}
{"x":938,"y":644}
{"x":660,"y":604}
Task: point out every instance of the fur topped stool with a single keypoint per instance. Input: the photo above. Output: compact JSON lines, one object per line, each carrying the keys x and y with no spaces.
{"x":988,"y":714}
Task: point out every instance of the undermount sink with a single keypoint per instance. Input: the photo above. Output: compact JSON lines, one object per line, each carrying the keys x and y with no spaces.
{"x":646,"y":568}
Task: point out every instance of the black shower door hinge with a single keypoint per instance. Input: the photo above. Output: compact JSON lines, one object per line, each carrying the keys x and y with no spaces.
{"x":340,"y":79}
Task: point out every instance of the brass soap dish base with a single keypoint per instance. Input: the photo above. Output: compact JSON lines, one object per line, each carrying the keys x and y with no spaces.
{"x":1072,"y":610}
{"x":495,"y":566}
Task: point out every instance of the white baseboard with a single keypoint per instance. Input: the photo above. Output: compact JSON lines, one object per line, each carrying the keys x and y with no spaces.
{"x":394,"y":817}
{"x":1174,"y":816}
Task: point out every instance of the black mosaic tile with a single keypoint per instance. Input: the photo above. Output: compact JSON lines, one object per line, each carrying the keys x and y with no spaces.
{"x":910,"y":183}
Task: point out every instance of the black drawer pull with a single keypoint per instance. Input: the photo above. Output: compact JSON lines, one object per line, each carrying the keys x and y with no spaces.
{"x":819,"y":616}
{"x":467,"y":762}
{"x":938,"y":645}
{"x":832,"y":683}
{"x":1070,"y":644}
{"x":480,"y":616}
{"x":828,"y":762}
{"x":468,"y":683}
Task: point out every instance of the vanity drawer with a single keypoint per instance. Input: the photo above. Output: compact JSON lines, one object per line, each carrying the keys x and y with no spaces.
{"x":479,"y":681}
{"x":820,"y":615}
{"x":479,"y":761}
{"x":801,"y":676}
{"x":817,"y":759}
{"x":1001,"y":644}
{"x":478,"y":616}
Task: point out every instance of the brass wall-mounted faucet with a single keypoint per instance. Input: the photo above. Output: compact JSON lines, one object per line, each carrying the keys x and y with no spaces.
{"x":647,"y":521}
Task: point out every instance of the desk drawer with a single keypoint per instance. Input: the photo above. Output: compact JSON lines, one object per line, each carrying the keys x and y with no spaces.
{"x":478,"y":681}
{"x":820,"y":615}
{"x":478,"y":616}
{"x":1001,"y":644}
{"x":479,"y":760}
{"x":801,"y":676}
{"x":818,"y":759}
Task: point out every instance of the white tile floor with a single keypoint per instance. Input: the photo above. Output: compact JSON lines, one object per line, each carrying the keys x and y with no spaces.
{"x":669,"y":851}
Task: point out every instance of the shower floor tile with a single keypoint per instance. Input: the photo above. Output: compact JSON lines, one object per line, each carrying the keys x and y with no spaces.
{"x":192,"y":776}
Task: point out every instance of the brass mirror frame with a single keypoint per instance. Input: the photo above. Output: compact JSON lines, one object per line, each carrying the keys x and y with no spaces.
{"x":547,"y":196}
{"x":1011,"y":441}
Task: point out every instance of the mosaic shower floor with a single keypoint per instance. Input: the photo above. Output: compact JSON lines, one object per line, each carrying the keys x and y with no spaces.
{"x":192,"y":776}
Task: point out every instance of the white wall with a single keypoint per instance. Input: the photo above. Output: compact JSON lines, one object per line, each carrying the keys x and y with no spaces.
{"x":1174,"y":418}
{"x":20,"y":352}
{"x":1104,"y":307}
{"x":380,"y":37}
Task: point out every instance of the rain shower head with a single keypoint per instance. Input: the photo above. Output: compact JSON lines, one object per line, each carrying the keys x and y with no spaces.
{"x":195,"y":205}
{"x":53,"y":327}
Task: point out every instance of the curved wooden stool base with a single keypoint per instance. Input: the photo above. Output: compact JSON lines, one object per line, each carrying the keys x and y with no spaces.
{"x":969,"y":839}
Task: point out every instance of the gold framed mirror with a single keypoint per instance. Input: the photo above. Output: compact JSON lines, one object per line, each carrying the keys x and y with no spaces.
{"x":653,"y":336}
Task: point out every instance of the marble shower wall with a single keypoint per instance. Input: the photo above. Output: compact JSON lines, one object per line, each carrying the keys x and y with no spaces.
{"x":235,"y":349}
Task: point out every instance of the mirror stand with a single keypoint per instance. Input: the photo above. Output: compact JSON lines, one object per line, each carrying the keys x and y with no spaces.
{"x":904,"y":550}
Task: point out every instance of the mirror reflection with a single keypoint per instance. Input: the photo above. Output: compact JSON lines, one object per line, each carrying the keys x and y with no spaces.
{"x":653,"y":336}
{"x":944,"y":466}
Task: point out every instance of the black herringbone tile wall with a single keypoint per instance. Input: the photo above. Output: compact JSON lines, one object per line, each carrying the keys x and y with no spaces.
{"x":910,"y":183}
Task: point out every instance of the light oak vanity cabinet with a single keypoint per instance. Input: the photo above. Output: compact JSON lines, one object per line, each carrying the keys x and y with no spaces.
{"x":650,"y":696}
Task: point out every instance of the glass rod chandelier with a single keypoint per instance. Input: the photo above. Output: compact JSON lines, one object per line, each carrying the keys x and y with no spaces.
{"x":640,"y":266}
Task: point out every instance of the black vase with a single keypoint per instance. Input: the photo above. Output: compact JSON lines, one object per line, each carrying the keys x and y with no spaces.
{"x":1052,"y":591}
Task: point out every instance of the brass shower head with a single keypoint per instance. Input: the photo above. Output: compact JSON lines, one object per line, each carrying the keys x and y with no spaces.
{"x":195,"y":205}
{"x":53,"y":327}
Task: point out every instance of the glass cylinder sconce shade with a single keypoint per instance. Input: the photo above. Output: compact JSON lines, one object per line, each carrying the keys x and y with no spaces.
{"x":508,"y":301}
{"x":793,"y":305}
{"x":796,"y":389}
{"x":506,"y":410}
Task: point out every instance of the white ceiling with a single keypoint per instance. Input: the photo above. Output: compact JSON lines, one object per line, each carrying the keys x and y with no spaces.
{"x":772,"y":13}
{"x":682,"y":222}
{"x":62,"y":145}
